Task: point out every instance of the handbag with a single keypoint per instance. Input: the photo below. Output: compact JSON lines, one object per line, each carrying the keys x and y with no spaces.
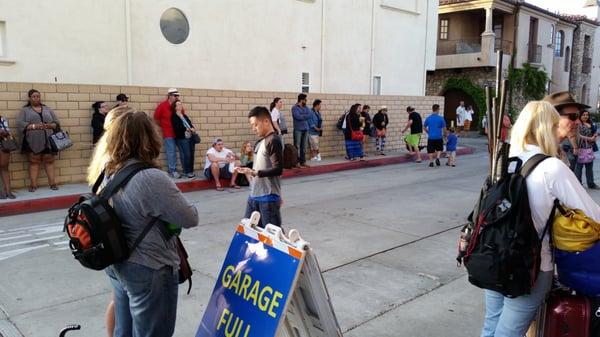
{"x":60,"y":140}
{"x":586,"y":156}
{"x":7,"y":144}
{"x":573,"y":231}
{"x":185,"y":270}
{"x":355,"y":135}
{"x":195,"y":138}
{"x":580,"y":271}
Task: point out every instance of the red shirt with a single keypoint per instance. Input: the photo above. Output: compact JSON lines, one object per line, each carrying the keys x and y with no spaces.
{"x":162,"y":115}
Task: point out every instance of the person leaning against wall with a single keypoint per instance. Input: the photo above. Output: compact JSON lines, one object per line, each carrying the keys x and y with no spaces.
{"x":36,"y":123}
{"x":5,"y":160}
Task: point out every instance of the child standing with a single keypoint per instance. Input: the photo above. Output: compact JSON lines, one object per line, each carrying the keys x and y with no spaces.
{"x":451,"y":148}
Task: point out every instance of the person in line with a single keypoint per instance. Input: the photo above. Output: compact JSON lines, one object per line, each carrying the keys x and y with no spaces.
{"x":569,"y":109}
{"x":183,"y":129}
{"x":163,"y":115}
{"x":468,"y":118}
{"x":100,"y":110}
{"x":538,"y":129}
{"x":380,"y":123}
{"x":276,"y":107}
{"x":301,"y":114}
{"x":36,"y":123}
{"x":587,"y":137}
{"x":145,"y":286}
{"x":451,"y":143}
{"x":218,"y":164}
{"x":506,"y":126}
{"x":121,"y":100}
{"x":435,"y":126}
{"x":315,"y":129}
{"x":415,"y":123}
{"x":246,"y":158}
{"x":460,"y":118}
{"x":5,"y":134}
{"x":267,"y":167}
{"x":366,"y":125}
{"x":353,"y":147}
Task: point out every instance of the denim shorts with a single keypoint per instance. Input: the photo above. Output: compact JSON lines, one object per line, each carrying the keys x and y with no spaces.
{"x":145,"y":299}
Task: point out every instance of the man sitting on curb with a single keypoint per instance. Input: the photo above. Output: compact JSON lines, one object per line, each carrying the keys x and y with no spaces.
{"x":217,"y":164}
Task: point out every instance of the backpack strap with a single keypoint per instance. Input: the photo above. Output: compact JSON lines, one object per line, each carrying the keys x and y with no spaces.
{"x":531,"y":164}
{"x":121,"y":178}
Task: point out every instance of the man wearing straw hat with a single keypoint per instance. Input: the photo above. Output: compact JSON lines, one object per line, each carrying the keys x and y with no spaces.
{"x":569,"y":110}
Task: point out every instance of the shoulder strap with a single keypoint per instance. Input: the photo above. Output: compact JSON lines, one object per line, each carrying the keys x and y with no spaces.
{"x":121,"y":178}
{"x":531,"y":164}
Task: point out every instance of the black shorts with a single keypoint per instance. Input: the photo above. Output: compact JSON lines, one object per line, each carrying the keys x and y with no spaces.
{"x":434,"y":145}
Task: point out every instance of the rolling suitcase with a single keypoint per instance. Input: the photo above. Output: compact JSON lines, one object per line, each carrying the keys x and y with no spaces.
{"x":290,"y":156}
{"x":567,"y":315}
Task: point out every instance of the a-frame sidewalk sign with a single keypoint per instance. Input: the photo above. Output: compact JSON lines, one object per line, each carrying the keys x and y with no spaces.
{"x":270,"y":285}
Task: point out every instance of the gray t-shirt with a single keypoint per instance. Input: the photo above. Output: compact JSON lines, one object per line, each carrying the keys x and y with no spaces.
{"x":268,"y":163}
{"x":151,"y":193}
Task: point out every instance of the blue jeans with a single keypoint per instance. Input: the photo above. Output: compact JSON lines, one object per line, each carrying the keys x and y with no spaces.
{"x":511,"y":317}
{"x":171,"y":154}
{"x":185,"y":155}
{"x":145,"y":300}
{"x":269,"y":212}
{"x":300,"y":142}
{"x":192,"y":156}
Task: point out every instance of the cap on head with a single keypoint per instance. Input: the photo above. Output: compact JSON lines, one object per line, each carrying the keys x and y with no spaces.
{"x":217,"y":140}
{"x":173,"y":91}
{"x":122,"y":98}
{"x":564,"y":99}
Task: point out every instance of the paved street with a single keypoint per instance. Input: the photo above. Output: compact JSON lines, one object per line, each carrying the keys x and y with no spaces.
{"x":385,"y":238}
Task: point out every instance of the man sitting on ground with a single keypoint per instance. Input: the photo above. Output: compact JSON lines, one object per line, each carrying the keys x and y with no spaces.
{"x":217,"y":164}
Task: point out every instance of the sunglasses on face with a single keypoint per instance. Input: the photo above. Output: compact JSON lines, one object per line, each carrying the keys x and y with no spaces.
{"x":573,"y":117}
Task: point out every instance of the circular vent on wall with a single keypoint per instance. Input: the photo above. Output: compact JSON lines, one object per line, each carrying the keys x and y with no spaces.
{"x":174,"y":26}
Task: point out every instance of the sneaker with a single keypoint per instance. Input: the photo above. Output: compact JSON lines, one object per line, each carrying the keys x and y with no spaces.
{"x":191,"y":175}
{"x":313,"y":159}
{"x":319,"y":157}
{"x":431,"y":164}
{"x":175,"y":175}
{"x":437,"y":162}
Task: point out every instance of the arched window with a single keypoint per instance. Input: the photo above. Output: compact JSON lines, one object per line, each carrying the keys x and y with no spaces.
{"x":558,"y":45}
{"x":567,"y":59}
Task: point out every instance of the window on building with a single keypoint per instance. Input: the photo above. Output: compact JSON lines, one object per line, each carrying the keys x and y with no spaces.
{"x":558,"y":44}
{"x":497,"y":26}
{"x":584,"y":94}
{"x":567,"y":59}
{"x":552,"y":31}
{"x":376,"y":85}
{"x":305,"y":82}
{"x":174,"y":26}
{"x":2,"y":39}
{"x":444,"y":25}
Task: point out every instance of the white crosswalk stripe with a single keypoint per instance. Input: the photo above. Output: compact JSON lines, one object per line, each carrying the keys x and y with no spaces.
{"x":18,"y":241}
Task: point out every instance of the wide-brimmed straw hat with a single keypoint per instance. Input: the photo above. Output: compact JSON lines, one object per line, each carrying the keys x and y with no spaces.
{"x":564,"y":99}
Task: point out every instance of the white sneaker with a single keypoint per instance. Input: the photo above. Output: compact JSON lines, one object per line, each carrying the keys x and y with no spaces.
{"x":313,"y":159}
{"x":319,"y":157}
{"x":175,"y":175}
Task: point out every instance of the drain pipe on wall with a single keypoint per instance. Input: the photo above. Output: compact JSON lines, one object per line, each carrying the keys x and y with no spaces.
{"x":322,"y":45}
{"x":372,"y":47}
{"x":426,"y":47}
{"x":128,"y":40}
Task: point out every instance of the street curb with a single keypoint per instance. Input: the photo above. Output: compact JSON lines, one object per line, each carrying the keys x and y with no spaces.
{"x":65,"y":201}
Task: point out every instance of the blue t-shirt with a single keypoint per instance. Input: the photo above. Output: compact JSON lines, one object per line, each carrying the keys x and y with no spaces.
{"x":451,"y":143}
{"x":435,"y":124}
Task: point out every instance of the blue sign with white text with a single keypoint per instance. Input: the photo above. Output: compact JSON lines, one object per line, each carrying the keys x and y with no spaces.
{"x":251,"y":291}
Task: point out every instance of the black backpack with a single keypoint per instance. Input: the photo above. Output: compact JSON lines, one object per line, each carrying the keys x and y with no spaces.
{"x":500,"y":246}
{"x":340,"y":121}
{"x":95,"y":234}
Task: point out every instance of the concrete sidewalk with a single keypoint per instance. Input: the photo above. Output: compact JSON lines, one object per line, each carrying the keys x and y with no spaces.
{"x":44,"y":199}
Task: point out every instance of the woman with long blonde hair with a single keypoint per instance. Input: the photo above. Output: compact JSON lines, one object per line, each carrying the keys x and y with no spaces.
{"x":145,"y":285}
{"x":537,"y":130}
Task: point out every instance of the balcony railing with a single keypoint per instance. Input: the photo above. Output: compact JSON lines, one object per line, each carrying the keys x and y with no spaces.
{"x":535,"y":54}
{"x":464,"y":46}
{"x":587,"y":65}
{"x":503,"y":45}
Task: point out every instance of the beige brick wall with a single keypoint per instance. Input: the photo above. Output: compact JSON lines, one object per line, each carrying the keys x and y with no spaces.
{"x":215,"y":113}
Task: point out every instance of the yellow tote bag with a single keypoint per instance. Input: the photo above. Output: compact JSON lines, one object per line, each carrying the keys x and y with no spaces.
{"x":573,"y":231}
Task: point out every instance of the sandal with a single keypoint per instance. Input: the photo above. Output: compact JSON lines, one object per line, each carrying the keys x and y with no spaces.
{"x":54,"y":187}
{"x":237,"y":187}
{"x":220,"y":189}
{"x":32,"y":188}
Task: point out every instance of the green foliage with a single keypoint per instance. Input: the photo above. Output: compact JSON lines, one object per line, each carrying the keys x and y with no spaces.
{"x":529,"y":81}
{"x":465,"y":84}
